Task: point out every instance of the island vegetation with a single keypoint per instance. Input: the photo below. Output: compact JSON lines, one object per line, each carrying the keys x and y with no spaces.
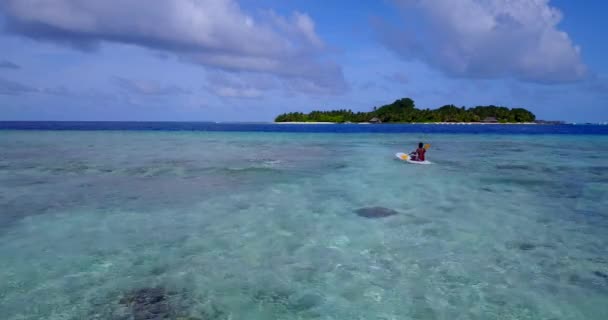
{"x":405,"y":111}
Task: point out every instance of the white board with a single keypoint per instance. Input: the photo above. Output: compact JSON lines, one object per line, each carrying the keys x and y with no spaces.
{"x":405,"y":157}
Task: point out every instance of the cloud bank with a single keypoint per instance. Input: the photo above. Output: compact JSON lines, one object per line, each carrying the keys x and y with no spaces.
{"x":148,"y":87}
{"x":13,"y":88}
{"x":213,"y":33}
{"x":5,"y":64}
{"x":488,"y":39}
{"x":397,"y":77}
{"x":244,"y":86}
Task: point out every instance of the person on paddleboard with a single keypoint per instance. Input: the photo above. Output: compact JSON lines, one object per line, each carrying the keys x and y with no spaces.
{"x":418,"y":155}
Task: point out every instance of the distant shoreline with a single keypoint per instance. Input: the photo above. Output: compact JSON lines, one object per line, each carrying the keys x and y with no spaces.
{"x":299,"y":122}
{"x":441,"y":123}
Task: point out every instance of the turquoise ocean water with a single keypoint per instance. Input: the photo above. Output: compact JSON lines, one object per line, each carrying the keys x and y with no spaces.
{"x":264,"y":225}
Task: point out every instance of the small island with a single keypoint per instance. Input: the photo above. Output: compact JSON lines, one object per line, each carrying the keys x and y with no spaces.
{"x":405,"y":111}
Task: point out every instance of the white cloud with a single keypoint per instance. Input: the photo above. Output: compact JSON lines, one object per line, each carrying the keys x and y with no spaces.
{"x":13,"y":88}
{"x":215,"y":33}
{"x":243,"y":85}
{"x":57,"y":91}
{"x":256,"y":85}
{"x":5,"y":64}
{"x":148,"y":87}
{"x":489,"y":39}
{"x":397,"y":77}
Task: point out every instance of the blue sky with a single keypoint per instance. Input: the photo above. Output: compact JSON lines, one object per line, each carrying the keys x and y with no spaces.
{"x":229,"y":60}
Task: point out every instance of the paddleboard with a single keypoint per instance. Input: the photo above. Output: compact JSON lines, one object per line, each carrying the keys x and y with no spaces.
{"x":405,"y":157}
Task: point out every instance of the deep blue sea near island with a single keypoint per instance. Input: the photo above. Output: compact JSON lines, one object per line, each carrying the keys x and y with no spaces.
{"x":128,"y":220}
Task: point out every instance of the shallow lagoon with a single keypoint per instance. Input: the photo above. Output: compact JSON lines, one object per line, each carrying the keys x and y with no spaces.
{"x":265,"y":225}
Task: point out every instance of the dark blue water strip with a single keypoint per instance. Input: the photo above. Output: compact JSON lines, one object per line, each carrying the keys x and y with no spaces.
{"x":308,"y":128}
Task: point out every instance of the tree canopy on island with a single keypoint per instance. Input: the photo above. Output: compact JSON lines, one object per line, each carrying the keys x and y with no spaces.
{"x":404,"y":110}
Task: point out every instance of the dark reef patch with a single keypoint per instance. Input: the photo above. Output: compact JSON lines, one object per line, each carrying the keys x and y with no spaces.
{"x":523,"y":246}
{"x":148,"y":303}
{"x":375,"y":212}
